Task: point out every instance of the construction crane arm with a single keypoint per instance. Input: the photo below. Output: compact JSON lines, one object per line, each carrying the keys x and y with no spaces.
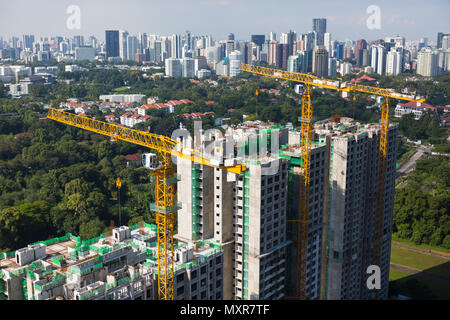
{"x":159,"y":143}
{"x":325,"y":83}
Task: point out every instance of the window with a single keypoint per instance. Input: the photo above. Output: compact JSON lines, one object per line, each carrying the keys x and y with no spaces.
{"x":180,"y":277}
{"x":203,"y":295}
{"x":203,"y":270}
{"x":193,"y":287}
{"x":180,"y":290}
{"x":194,"y":274}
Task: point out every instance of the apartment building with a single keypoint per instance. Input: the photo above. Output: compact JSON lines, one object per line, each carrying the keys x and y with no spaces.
{"x":121,"y":266}
{"x":351,"y":207}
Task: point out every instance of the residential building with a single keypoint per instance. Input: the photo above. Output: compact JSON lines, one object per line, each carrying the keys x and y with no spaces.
{"x":112,"y":43}
{"x":427,"y":62}
{"x":320,"y":61}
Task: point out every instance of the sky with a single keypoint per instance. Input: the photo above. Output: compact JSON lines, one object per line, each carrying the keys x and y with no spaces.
{"x":346,"y":19}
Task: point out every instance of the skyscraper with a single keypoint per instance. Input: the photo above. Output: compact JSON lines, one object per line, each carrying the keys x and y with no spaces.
{"x":394,"y":62}
{"x":273,"y":52}
{"x":258,"y":39}
{"x":289,"y":38}
{"x":331,"y":67}
{"x":28,"y":41}
{"x":123,"y":51}
{"x":320,"y":27}
{"x":320,"y":61}
{"x":231,"y":36}
{"x":427,"y":62}
{"x":175,"y":46}
{"x":272,"y":36}
{"x":378,"y":62}
{"x":440,"y":35}
{"x":173,"y":67}
{"x":112,"y":43}
{"x":132,"y":47}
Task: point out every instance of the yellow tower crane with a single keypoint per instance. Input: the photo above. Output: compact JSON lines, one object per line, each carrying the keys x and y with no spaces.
{"x":309,"y":81}
{"x":165,"y":205}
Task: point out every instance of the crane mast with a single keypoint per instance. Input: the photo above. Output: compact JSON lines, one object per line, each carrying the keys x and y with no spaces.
{"x":310,"y":81}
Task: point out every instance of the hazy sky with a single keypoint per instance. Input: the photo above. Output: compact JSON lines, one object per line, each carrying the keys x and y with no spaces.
{"x":412,"y":19}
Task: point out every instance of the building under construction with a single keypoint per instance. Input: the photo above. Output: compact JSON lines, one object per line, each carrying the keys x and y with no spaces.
{"x":121,"y":266}
{"x":249,"y":215}
{"x":235,"y":237}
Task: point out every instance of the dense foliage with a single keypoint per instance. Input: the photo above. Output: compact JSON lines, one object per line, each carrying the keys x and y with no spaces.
{"x":421,"y":209}
{"x":56,"y":179}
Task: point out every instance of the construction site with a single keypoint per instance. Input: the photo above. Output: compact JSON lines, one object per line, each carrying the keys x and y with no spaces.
{"x":301,"y":221}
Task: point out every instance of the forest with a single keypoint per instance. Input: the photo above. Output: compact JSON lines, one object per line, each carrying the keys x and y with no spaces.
{"x":56,"y":179}
{"x":421,"y":208}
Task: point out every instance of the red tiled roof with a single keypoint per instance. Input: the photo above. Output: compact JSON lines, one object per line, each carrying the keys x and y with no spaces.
{"x":133,"y":157}
{"x":363,"y":77}
{"x":413,"y":105}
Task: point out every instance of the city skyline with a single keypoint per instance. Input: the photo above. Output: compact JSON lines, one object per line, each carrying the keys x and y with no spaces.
{"x":240,"y":18}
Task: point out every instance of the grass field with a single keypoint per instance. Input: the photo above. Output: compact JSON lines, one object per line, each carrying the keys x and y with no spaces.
{"x":420,"y":246}
{"x":121,"y":89}
{"x":432,"y":264}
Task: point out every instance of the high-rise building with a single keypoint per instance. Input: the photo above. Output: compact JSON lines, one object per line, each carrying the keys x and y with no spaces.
{"x":246,"y":49}
{"x":345,"y":68}
{"x":230,"y":46}
{"x":173,"y":67}
{"x":123,"y":51}
{"x":298,"y":62}
{"x":289,"y":38}
{"x":327,"y":42}
{"x":84,"y":53}
{"x":320,"y":27}
{"x":360,"y":46}
{"x":394,"y":62}
{"x":273,"y":53}
{"x":332,"y":65}
{"x":188,"y":39}
{"x":175,"y":46}
{"x":427,"y":62}
{"x":258,"y":39}
{"x":28,"y":41}
{"x":272,"y":36}
{"x":378,"y":62}
{"x":231,"y":36}
{"x":143,"y":42}
{"x":132,"y":47}
{"x":440,"y":35}
{"x":339,"y":51}
{"x":188,"y":67}
{"x":235,"y":63}
{"x":351,"y":208}
{"x":320,"y":61}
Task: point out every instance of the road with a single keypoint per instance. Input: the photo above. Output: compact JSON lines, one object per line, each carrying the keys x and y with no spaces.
{"x":409,"y":166}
